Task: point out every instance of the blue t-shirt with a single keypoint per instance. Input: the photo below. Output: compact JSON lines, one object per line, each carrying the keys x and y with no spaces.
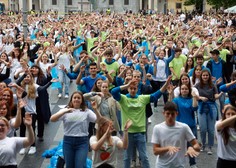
{"x":89,"y":82}
{"x":185,"y":110}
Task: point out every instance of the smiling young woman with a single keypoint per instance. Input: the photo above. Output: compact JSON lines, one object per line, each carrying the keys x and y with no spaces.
{"x":76,"y":118}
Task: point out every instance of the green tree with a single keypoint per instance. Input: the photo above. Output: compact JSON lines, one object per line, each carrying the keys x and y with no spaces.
{"x":197,"y":3}
{"x":221,"y":3}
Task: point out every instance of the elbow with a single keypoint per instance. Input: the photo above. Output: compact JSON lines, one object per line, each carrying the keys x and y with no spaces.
{"x":155,"y":152}
{"x":52,"y":119}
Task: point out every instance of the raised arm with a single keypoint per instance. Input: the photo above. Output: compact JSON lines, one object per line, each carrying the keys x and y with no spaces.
{"x":226,"y":122}
{"x":29,"y":140}
{"x":55,"y":117}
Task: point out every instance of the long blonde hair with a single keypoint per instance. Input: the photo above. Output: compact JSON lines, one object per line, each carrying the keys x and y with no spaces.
{"x":100,"y":131}
{"x":31,"y":87}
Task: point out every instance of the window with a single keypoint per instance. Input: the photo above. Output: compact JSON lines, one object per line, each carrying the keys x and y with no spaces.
{"x":126,"y":2}
{"x":111,"y":2}
{"x":178,"y":5}
{"x":69,"y":2}
{"x":54,"y":2}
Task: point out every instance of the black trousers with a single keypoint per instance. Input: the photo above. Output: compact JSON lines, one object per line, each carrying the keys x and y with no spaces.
{"x":157,"y":85}
{"x":23,"y":127}
{"x":40,"y":124}
{"x":221,"y":163}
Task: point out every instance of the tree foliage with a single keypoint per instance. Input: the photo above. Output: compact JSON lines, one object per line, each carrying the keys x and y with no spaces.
{"x":215,"y":3}
{"x":221,"y":3}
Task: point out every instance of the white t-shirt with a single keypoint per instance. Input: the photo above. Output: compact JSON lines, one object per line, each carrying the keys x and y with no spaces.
{"x":64,"y":59}
{"x":11,"y":129}
{"x":107,"y":155}
{"x":44,"y":67}
{"x":76,"y":123}
{"x":227,"y":152}
{"x":31,"y":103}
{"x":9,"y":147}
{"x":177,"y":91}
{"x":161,"y":71}
{"x":177,"y":136}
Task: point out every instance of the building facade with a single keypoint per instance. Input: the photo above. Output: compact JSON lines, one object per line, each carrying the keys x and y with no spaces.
{"x":64,"y":6}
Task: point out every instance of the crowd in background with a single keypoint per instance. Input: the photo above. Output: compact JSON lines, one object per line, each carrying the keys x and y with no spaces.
{"x":121,"y":63}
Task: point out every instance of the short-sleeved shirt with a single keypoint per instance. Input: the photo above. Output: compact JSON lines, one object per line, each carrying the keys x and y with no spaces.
{"x":177,"y":64}
{"x":9,"y":147}
{"x":135,"y":109}
{"x":89,"y":82}
{"x":106,"y":155}
{"x":76,"y":123}
{"x":227,"y":152}
{"x":177,"y":136}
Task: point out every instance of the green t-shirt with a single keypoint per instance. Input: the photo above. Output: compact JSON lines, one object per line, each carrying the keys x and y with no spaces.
{"x":135,"y":110}
{"x":90,"y":42}
{"x":177,"y":64}
{"x":114,"y":66}
{"x":223,"y":54}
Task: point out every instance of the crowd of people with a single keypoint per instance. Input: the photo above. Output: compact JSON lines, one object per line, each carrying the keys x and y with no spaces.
{"x":121,"y":64}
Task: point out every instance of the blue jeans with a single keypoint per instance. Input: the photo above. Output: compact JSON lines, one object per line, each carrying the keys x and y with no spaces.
{"x":63,"y":78}
{"x":139,"y":141}
{"x":75,"y":150}
{"x":207,"y":124}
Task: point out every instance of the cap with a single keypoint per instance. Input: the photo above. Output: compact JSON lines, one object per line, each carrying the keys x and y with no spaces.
{"x":215,"y":52}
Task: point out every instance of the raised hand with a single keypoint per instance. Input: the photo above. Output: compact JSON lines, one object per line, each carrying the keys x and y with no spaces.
{"x":27,"y":119}
{"x":21,"y":103}
{"x":94,"y":104}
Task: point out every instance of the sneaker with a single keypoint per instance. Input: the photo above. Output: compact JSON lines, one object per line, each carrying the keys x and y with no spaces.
{"x":202,"y":149}
{"x":155,"y":109}
{"x":66,"y":96}
{"x":209,"y":152}
{"x":59,"y":95}
{"x":22,"y":151}
{"x":198,"y":128}
{"x":133,"y":164}
{"x":193,"y":166}
{"x":32,"y":150}
{"x":149,"y":120}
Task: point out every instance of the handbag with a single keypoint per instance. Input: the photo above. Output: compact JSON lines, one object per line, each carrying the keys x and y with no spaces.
{"x":60,"y":162}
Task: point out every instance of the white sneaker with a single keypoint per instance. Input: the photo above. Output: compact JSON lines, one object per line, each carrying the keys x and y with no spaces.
{"x":66,"y":96}
{"x":149,"y":120}
{"x":59,"y":95}
{"x":194,"y":166}
{"x":22,"y":151}
{"x":32,"y":150}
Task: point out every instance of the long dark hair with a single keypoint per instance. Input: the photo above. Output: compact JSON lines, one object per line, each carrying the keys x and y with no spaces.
{"x":225,"y":131}
{"x":83,"y":104}
{"x":209,"y":82}
{"x":187,"y":68}
{"x":194,"y":75}
{"x":180,"y":81}
{"x":95,"y":88}
{"x":189,"y":88}
{"x":40,"y":75}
